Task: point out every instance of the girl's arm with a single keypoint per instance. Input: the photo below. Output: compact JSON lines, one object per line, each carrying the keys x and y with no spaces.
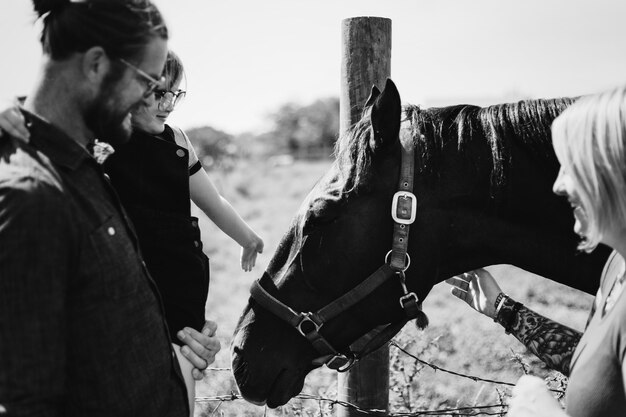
{"x":218,"y":209}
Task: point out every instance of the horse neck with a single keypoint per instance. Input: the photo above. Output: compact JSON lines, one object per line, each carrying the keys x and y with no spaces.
{"x":520,"y":222}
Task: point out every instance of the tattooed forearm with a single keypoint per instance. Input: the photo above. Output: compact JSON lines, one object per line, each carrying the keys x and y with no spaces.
{"x":550,"y":341}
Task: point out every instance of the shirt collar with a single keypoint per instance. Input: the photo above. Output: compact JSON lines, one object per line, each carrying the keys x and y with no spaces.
{"x":55,"y":143}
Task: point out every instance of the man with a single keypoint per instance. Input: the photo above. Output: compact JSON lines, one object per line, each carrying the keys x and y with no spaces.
{"x":81,"y":323}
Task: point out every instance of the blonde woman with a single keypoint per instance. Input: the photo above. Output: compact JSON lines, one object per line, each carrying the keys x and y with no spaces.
{"x":589,"y":139}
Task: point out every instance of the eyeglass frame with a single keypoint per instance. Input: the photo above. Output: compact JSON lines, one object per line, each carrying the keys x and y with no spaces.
{"x":176,"y":97}
{"x":152,"y":83}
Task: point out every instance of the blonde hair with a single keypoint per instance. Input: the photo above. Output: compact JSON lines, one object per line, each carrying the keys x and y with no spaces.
{"x":588,"y":139}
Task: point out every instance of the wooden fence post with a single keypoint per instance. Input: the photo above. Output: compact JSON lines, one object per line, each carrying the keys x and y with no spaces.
{"x":366,"y":61}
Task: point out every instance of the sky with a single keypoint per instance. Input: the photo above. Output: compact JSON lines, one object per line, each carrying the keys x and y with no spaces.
{"x":245,"y":58}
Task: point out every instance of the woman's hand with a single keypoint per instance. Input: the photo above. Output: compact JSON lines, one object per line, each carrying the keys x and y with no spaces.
{"x":531,"y":398}
{"x":249,"y":252}
{"x":478,"y":289}
{"x":12,"y":122}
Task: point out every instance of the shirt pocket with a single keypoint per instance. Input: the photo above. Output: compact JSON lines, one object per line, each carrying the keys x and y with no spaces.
{"x":115,"y":260}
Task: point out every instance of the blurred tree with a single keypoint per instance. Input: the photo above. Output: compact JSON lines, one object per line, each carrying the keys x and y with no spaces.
{"x":215,"y":148}
{"x":307,"y":129}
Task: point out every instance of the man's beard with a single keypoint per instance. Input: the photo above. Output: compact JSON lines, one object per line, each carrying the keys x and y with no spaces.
{"x":105,"y":119}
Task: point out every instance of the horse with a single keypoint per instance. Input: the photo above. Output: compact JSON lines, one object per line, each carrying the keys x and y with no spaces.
{"x":477,"y":192}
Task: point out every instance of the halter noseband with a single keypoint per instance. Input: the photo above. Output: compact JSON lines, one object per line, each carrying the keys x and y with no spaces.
{"x":397,"y":261}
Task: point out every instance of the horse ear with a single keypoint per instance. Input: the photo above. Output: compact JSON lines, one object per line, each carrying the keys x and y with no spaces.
{"x":373,"y":96}
{"x":385,"y":117}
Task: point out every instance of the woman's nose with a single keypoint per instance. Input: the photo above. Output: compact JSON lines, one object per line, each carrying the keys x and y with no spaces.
{"x":558,"y":187}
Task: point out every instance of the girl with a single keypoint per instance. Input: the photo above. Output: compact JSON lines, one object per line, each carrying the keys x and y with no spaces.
{"x":155,"y":175}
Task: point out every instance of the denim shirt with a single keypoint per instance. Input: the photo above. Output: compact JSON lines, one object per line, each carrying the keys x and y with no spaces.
{"x":81,"y":321}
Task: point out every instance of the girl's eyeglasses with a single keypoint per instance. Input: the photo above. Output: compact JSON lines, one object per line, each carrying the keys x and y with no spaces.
{"x":151,"y":82}
{"x":168,"y":99}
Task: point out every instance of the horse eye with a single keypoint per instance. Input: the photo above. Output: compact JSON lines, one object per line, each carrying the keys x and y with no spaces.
{"x":318,"y":217}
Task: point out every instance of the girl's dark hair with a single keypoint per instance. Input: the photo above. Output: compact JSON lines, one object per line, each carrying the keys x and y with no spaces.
{"x":121,"y":27}
{"x":173,"y":69}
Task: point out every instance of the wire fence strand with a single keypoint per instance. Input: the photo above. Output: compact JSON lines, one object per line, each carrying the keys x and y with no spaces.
{"x":493,"y":409}
{"x":476,"y":410}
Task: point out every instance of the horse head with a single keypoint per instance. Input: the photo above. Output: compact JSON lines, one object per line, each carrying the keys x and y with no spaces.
{"x":481,"y":191}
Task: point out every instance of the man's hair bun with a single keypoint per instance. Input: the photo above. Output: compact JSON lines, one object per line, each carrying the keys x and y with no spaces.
{"x":44,"y":6}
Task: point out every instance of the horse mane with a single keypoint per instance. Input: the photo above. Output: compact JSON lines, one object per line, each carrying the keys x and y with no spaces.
{"x":526,"y":122}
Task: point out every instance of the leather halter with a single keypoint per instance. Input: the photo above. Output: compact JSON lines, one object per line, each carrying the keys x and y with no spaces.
{"x":397,"y":261}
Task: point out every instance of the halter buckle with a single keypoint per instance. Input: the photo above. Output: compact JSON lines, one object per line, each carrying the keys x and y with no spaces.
{"x":407,"y":298}
{"x":406,"y":195}
{"x":306,"y":319}
{"x":341,"y":362}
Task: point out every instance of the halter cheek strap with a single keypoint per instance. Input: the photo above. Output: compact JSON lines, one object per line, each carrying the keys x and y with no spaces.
{"x":403,"y":212}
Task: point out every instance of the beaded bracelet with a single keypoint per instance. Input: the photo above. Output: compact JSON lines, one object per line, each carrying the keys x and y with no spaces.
{"x":500,"y":299}
{"x":508,"y":313}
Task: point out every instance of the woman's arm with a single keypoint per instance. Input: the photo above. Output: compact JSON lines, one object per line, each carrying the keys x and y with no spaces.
{"x":550,"y":341}
{"x":218,"y":209}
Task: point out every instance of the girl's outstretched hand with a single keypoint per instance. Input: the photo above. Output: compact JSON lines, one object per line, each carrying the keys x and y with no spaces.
{"x":249,"y":252}
{"x":478,"y":289}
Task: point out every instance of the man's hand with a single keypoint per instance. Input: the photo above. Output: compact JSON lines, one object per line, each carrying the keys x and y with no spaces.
{"x":12,"y":122}
{"x":201,"y":347}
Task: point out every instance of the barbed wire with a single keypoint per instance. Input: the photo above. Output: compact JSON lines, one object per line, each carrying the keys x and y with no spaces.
{"x":218,"y":369}
{"x":472,"y":377}
{"x":487,"y":410}
{"x":438,"y":368}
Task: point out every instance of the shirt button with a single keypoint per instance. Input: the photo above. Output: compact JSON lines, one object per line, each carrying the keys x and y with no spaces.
{"x":180,"y":153}
{"x":111,"y":231}
{"x":194,"y":223}
{"x":196,"y":243}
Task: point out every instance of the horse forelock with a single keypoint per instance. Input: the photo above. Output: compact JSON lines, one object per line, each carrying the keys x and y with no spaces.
{"x":353,"y":157}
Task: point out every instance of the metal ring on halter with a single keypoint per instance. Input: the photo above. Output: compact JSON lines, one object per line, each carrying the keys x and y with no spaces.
{"x":408,"y":260}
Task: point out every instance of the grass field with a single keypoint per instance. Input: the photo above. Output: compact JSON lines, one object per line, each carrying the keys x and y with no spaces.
{"x":457,"y":339}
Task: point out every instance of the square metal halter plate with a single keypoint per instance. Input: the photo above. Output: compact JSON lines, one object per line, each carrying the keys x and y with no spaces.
{"x":394,"y":207}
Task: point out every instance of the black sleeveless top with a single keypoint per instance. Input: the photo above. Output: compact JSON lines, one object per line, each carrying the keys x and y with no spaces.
{"x":151,"y":175}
